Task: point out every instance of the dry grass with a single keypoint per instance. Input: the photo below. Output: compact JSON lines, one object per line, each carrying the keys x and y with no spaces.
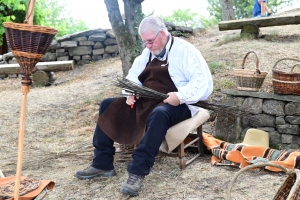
{"x":60,"y":123}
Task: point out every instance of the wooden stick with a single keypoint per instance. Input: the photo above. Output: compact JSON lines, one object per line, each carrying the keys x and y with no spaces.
{"x":31,"y":12}
{"x":25,"y":89}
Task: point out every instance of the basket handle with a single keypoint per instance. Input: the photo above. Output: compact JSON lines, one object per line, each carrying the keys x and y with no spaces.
{"x":30,"y":10}
{"x":257,"y":61}
{"x":297,"y":60}
{"x":294,"y":67}
{"x":251,"y":167}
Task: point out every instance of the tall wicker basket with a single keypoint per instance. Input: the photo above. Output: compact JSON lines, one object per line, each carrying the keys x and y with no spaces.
{"x":249,"y":80}
{"x":28,"y":43}
{"x":286,"y":82}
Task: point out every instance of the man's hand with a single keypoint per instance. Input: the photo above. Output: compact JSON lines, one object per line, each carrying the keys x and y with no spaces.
{"x":130,"y":100}
{"x":172,"y":99}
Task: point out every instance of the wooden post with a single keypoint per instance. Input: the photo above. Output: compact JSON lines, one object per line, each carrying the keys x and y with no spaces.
{"x":30,"y":11}
{"x":25,"y":89}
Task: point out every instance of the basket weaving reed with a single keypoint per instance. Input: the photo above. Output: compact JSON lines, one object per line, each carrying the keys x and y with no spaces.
{"x":28,"y":43}
{"x":140,"y":91}
{"x":249,"y":80}
{"x":286,"y":82}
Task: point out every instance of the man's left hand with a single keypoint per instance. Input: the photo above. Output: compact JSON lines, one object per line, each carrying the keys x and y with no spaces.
{"x":172,"y":99}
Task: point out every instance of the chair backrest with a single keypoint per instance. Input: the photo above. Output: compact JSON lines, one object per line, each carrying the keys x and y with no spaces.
{"x":177,"y":133}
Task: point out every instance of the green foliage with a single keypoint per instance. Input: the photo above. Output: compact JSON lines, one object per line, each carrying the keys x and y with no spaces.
{"x":215,"y":9}
{"x":50,"y":13}
{"x":9,"y":11}
{"x":224,"y":83}
{"x":215,"y":66}
{"x":208,"y":22}
{"x":184,"y":18}
{"x":244,"y":8}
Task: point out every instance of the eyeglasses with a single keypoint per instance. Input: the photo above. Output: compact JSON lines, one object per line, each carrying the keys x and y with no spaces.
{"x":150,"y":41}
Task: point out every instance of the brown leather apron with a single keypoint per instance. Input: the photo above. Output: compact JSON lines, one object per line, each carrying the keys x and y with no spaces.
{"x":126,"y":125}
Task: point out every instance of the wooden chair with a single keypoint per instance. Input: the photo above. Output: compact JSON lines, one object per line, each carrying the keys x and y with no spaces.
{"x":176,"y":141}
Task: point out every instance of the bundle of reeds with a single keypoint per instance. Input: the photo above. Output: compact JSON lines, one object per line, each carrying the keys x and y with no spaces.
{"x":141,"y":91}
{"x":137,"y":90}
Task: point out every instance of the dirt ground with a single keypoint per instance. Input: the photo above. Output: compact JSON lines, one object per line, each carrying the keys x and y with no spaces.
{"x":60,"y":123}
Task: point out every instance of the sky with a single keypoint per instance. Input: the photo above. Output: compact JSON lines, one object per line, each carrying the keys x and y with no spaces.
{"x":94,"y":13}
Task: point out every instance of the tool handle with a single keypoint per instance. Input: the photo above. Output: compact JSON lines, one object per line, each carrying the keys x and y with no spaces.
{"x":132,"y":105}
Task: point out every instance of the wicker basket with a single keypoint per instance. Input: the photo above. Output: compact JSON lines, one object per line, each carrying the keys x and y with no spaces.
{"x":28,"y":43}
{"x":289,"y":190}
{"x":249,"y":80}
{"x":286,"y":82}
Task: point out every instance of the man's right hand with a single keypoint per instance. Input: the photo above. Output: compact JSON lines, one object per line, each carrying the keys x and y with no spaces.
{"x":130,"y":100}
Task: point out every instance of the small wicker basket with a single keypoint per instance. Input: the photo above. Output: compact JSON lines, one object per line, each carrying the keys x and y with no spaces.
{"x":249,"y":80}
{"x":286,"y":82}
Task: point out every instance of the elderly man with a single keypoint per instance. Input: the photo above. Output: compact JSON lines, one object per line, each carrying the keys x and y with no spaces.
{"x":169,"y":65}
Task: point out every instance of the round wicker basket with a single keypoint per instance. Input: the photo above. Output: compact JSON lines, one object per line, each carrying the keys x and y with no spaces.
{"x":286,"y":82}
{"x":249,"y":80}
{"x":28,"y":43}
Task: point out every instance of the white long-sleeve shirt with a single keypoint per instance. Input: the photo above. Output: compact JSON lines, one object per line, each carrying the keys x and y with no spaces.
{"x":187,"y":68}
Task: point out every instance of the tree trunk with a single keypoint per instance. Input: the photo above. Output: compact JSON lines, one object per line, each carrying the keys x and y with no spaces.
{"x":227,"y":10}
{"x":126,"y":32}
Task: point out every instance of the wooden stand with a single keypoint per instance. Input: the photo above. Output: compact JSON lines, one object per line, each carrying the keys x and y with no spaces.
{"x":25,"y":90}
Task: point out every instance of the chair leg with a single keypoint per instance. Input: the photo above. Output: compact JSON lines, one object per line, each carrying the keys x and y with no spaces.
{"x":181,"y":157}
{"x":200,"y":142}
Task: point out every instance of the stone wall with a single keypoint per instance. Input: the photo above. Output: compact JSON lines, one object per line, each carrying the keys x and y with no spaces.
{"x":279,"y":115}
{"x":83,"y":47}
{"x":91,"y":45}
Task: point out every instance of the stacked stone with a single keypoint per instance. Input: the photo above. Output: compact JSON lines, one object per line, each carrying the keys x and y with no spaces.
{"x":92,"y":45}
{"x":279,"y":115}
{"x":83,"y":47}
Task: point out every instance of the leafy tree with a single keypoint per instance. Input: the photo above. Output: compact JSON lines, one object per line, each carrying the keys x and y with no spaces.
{"x":10,"y":10}
{"x":184,"y":18}
{"x":208,"y":22}
{"x":48,"y":13}
{"x":52,"y":13}
{"x":243,"y":8}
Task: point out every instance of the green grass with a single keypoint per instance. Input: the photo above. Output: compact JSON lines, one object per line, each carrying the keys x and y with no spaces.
{"x":215,"y":67}
{"x":224,"y":83}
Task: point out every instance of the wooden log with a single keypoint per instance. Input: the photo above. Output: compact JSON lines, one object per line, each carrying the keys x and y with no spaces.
{"x":259,"y":22}
{"x":40,"y":66}
{"x":42,"y":78}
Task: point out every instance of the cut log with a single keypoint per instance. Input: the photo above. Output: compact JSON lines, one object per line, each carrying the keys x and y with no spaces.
{"x":40,"y":66}
{"x":42,"y":78}
{"x":259,"y":22}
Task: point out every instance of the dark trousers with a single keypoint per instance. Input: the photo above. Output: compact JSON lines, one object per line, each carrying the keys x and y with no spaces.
{"x":158,"y":122}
